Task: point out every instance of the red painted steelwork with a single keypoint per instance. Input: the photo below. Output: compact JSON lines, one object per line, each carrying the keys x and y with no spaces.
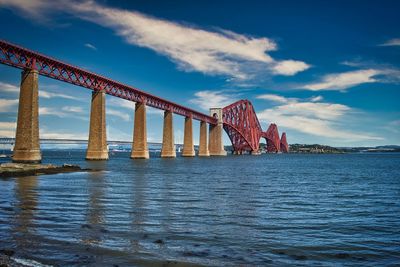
{"x":23,"y":58}
{"x":242,"y":126}
{"x":284,"y":144}
{"x":272,"y":137}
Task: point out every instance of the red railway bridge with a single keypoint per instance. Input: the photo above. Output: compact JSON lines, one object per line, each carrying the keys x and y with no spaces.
{"x":239,"y":119}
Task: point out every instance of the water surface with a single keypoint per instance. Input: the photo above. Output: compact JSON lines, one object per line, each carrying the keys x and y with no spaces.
{"x":275,"y":210}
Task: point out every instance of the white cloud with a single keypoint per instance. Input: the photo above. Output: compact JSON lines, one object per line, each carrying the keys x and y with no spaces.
{"x":123,"y":115}
{"x":314,"y":118}
{"x":218,"y":52}
{"x":341,"y":81}
{"x":48,"y":111}
{"x":392,"y":42}
{"x":6,"y":87}
{"x":73,"y":109}
{"x":47,"y":94}
{"x":316,"y":98}
{"x":7,"y":105}
{"x":212,"y":99}
{"x":154,"y":111}
{"x":290,"y":67}
{"x":7,"y":129}
{"x":46,"y":134}
{"x":90,"y":46}
{"x":395,"y":123}
{"x":274,"y":98}
{"x":123,"y":103}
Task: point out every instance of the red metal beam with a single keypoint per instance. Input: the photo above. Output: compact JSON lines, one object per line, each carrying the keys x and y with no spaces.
{"x":284,"y":144}
{"x":242,"y":126}
{"x":244,"y":130}
{"x":23,"y":58}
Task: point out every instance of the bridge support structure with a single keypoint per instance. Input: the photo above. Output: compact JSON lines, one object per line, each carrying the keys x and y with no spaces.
{"x":216,"y":145}
{"x":97,"y":144}
{"x":168,"y":144}
{"x":27,"y":145}
{"x":203,"y":145}
{"x":139,"y":146}
{"x":188,"y":147}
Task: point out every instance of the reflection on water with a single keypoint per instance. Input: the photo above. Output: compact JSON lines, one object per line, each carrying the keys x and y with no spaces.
{"x":137,"y":208}
{"x":95,"y":210}
{"x":228,"y":211}
{"x":27,"y":202}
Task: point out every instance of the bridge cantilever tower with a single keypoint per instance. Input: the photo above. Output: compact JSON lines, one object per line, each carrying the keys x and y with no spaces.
{"x":272,"y":138}
{"x":244,"y":130}
{"x":284,"y":144}
{"x":242,"y":126}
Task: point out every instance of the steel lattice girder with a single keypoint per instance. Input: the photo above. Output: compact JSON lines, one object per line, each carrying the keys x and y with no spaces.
{"x":23,"y":58}
{"x":284,"y":143}
{"x":242,"y":126}
{"x":272,"y":137}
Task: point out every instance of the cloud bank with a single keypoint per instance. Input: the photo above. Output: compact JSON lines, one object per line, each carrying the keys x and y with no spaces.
{"x":212,"y":52}
{"x":310,"y":116}
{"x":392,"y":42}
{"x":345,"y":80}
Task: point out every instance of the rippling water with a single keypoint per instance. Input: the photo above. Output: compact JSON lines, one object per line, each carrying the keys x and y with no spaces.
{"x":283,"y":209}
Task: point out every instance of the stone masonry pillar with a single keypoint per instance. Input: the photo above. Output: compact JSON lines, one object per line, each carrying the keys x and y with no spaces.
{"x":139,"y":146}
{"x":27,"y":146}
{"x":203,"y":145}
{"x":188,"y":148}
{"x":168,"y":145}
{"x":97,"y":145}
{"x":216,"y":145}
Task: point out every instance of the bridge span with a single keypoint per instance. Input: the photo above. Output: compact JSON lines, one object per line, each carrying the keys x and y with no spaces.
{"x":239,"y":119}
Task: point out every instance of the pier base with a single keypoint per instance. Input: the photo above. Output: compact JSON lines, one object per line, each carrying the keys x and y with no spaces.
{"x":27,"y":145}
{"x":168,"y":145}
{"x":188,"y":147}
{"x":203,"y":145}
{"x":216,"y":145}
{"x":97,"y":145}
{"x":139,"y":146}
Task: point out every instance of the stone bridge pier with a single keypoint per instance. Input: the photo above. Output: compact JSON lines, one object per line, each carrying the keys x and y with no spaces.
{"x":27,"y":145}
{"x":97,"y":143}
{"x":27,"y":142}
{"x":216,"y":145}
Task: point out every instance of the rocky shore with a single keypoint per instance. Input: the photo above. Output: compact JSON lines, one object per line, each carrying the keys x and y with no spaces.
{"x":22,"y":169}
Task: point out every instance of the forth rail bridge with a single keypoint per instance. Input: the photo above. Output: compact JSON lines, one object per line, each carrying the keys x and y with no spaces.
{"x":239,"y":119}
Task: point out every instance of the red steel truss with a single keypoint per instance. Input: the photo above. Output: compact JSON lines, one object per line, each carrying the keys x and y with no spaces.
{"x":242,"y":126}
{"x":272,"y":137}
{"x":23,"y":58}
{"x":244,"y":130}
{"x":284,"y":144}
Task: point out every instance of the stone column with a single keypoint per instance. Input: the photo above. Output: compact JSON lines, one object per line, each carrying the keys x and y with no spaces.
{"x":188,"y":148}
{"x":203,"y":145}
{"x":168,"y":145}
{"x":97,"y":145}
{"x":27,"y":145}
{"x":139,"y":146}
{"x":216,"y":145}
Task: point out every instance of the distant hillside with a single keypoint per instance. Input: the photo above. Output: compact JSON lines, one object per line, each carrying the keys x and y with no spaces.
{"x":314,"y":148}
{"x":324,"y":149}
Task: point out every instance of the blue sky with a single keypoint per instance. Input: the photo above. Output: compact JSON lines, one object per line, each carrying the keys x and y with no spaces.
{"x":325,"y":71}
